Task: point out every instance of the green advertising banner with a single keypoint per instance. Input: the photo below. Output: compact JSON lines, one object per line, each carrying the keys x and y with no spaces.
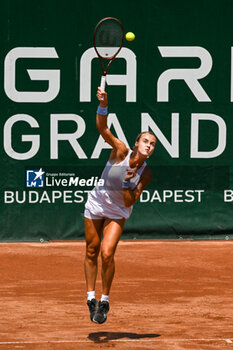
{"x":175,"y":79}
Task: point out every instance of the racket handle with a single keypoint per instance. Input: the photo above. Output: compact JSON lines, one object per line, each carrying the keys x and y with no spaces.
{"x":103,"y":83}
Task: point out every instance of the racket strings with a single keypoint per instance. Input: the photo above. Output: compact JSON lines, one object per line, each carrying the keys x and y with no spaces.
{"x":108,"y":38}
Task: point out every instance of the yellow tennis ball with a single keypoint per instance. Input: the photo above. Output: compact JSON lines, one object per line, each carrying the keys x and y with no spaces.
{"x":130,"y":36}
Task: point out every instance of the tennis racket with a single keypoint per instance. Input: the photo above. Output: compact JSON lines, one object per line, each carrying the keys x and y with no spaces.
{"x":108,"y":40}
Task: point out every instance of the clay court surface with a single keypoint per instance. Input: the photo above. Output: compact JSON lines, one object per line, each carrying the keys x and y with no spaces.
{"x":166,"y":295}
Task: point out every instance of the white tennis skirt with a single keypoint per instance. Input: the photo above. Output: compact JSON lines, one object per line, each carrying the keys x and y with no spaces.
{"x":99,"y":205}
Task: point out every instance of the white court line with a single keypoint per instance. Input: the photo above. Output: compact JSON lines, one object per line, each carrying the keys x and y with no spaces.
{"x":123,"y":242}
{"x":229,"y":340}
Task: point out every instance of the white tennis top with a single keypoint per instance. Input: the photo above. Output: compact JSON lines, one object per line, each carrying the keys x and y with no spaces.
{"x":107,"y":200}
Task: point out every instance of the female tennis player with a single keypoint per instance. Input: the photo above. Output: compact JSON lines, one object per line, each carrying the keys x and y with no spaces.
{"x":109,"y":206}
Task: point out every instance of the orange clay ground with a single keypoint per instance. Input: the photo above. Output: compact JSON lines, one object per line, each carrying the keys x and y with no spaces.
{"x":166,"y":295}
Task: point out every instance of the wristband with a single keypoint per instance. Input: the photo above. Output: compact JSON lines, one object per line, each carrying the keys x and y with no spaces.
{"x":125,"y":184}
{"x":102,"y":110}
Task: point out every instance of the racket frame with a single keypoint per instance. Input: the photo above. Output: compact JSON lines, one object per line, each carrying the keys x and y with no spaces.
{"x":104,"y":71}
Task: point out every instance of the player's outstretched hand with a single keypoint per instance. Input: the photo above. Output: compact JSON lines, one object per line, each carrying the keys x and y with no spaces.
{"x":102,"y":97}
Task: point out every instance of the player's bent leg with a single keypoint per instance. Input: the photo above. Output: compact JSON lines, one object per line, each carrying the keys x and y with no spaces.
{"x":93,"y":233}
{"x":112,"y":232}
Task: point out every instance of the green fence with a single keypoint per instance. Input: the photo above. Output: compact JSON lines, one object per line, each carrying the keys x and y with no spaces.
{"x":175,"y":79}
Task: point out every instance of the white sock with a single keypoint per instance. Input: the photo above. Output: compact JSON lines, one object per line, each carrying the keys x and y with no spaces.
{"x":105,"y":298}
{"x":91,"y":295}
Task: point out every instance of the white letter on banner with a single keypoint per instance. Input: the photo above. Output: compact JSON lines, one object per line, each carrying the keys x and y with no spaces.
{"x":9,"y":197}
{"x":228,"y":196}
{"x":190,"y":76}
{"x":128,"y":79}
{"x":102,"y":144}
{"x":71,"y":137}
{"x":172,"y":148}
{"x":195,"y":118}
{"x":142,"y":199}
{"x":231,"y":74}
{"x":50,"y":75}
{"x":34,"y":139}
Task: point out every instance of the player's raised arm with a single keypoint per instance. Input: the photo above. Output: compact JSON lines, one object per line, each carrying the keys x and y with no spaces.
{"x":101,"y":123}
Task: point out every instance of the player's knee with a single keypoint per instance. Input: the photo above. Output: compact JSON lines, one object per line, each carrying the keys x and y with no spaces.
{"x":107,"y":256}
{"x":92,"y":252}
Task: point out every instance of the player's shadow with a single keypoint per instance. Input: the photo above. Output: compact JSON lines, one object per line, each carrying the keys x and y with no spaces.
{"x":104,"y":337}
